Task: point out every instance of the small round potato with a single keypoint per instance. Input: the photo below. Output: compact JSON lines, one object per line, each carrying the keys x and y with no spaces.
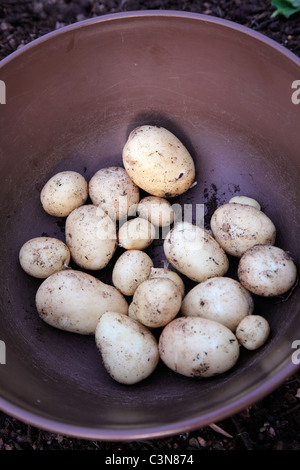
{"x":221,"y":299}
{"x":249,"y":201}
{"x":193,"y":252}
{"x":156,"y":302}
{"x":42,"y":256}
{"x":63,"y":193}
{"x":136,"y":234}
{"x":157,"y":210}
{"x":73,"y":301}
{"x":130,"y":269}
{"x":237,"y":227}
{"x":158,"y":162}
{"x":91,"y":237}
{"x":113,"y":190}
{"x":253,"y":331}
{"x":267,"y":270}
{"x":129,"y":350}
{"x":198,"y":347}
{"x":169,"y":274}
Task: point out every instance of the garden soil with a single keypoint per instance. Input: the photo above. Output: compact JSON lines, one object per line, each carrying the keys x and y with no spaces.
{"x":272,"y":423}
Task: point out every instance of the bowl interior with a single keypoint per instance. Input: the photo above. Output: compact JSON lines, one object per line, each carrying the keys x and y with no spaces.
{"x":72,"y":99}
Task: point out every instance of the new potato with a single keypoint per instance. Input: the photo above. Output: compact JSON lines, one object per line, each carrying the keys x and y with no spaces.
{"x":193,"y":252}
{"x":130,"y":269}
{"x":129,"y":350}
{"x":253,"y":331}
{"x":136,"y":234}
{"x":74,"y":301}
{"x":198,"y":347}
{"x":158,"y":162}
{"x":221,"y":299}
{"x":42,"y":256}
{"x":169,"y":274}
{"x":157,"y":210}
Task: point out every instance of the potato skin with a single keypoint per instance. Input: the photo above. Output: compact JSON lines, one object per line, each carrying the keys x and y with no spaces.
{"x":169,"y":274}
{"x":252,"y":331}
{"x":220,"y":299}
{"x":130,"y":269}
{"x":136,"y":234}
{"x":157,"y":210}
{"x":113,"y":190}
{"x":193,"y":252}
{"x":158,"y":162}
{"x":237,"y":227}
{"x":42,"y":256}
{"x":129,"y":350}
{"x":64,"y":192}
{"x":74,"y":301}
{"x":267,"y":271}
{"x":91,"y":237}
{"x":198,"y":347}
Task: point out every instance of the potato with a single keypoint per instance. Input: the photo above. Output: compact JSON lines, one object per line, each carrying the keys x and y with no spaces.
{"x":129,"y":350}
{"x":267,"y":270}
{"x":237,"y":227}
{"x":249,"y":201}
{"x":74,"y":301}
{"x":42,"y":256}
{"x":221,"y":299}
{"x":158,"y":162}
{"x":253,"y":331}
{"x":169,"y":274}
{"x":136,"y":234}
{"x":193,"y":252}
{"x":91,"y":236}
{"x":63,"y":193}
{"x":130,"y":269}
{"x":157,"y":210}
{"x":156,"y":302}
{"x":113,"y":190}
{"x":198,"y":347}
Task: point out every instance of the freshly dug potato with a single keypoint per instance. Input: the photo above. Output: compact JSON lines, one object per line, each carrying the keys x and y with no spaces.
{"x":193,"y":252}
{"x":237,"y":227}
{"x":91,"y":236}
{"x":249,"y":201}
{"x":130,"y":269}
{"x":42,"y":256}
{"x":156,"y":302}
{"x":158,"y":162}
{"x":74,"y":301}
{"x":129,"y":350}
{"x":113,"y":190}
{"x":198,"y":347}
{"x":157,"y":210}
{"x":63,"y":193}
{"x":136,"y":234}
{"x":221,"y":299}
{"x":253,"y":331}
{"x":267,"y":270}
{"x":169,"y":274}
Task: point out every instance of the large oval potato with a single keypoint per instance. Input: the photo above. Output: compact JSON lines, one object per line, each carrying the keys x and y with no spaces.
{"x":198,"y":347}
{"x":156,"y":302}
{"x":237,"y":227}
{"x":113,"y":190}
{"x":74,"y":301}
{"x":129,"y":350}
{"x":130,"y":269}
{"x":64,"y":192}
{"x":221,"y":299}
{"x":194,"y":252}
{"x":42,"y":256}
{"x":158,"y":162}
{"x":267,"y":270}
{"x":91,"y":237}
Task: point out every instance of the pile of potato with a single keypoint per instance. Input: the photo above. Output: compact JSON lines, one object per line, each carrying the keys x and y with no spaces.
{"x":196,"y":334}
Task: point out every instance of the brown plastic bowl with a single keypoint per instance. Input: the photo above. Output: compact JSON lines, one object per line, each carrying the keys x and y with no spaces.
{"x":72,"y":98}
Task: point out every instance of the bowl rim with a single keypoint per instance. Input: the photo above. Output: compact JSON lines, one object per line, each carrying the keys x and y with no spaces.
{"x":259,"y":390}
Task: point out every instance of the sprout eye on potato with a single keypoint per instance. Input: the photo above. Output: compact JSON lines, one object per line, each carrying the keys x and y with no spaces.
{"x":158,"y":162}
{"x":42,"y":256}
{"x":237,"y":227}
{"x":113,"y":190}
{"x":63,"y":193}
